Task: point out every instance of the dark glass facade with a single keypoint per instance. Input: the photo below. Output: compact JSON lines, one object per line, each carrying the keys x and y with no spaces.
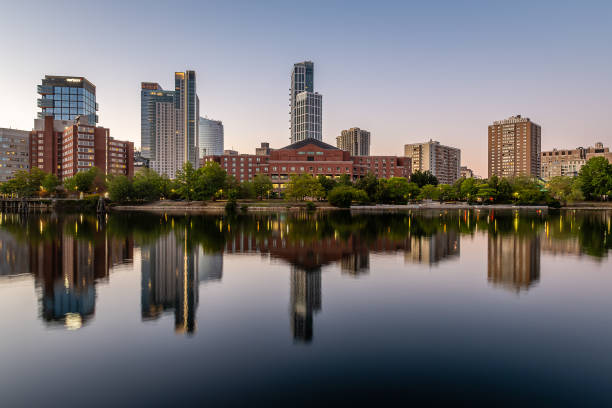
{"x":65,"y":98}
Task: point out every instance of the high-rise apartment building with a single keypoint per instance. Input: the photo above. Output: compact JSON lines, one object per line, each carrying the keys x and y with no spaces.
{"x":151,"y":95}
{"x":169,"y":123}
{"x":14,"y":152}
{"x":305,"y":105}
{"x":355,"y":141}
{"x":210,"y":137}
{"x":514,"y":147}
{"x":66,"y":97}
{"x":444,"y":162}
{"x":187,"y":106}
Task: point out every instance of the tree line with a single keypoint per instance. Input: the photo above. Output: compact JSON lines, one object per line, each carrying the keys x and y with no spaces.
{"x":211,"y":182}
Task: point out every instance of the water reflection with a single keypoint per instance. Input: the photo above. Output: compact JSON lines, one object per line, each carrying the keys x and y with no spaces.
{"x":68,"y":255}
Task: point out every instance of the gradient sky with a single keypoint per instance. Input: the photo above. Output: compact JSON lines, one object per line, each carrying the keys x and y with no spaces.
{"x":406,"y":71}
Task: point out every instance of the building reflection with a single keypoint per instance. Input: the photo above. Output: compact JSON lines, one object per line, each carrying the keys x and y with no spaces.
{"x":169,"y":280}
{"x":305,"y":298}
{"x":513,"y":260}
{"x":67,"y":256}
{"x":433,"y":249}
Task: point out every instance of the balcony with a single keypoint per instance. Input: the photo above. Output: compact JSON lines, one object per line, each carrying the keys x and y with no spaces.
{"x":44,"y":89}
{"x":44,"y":103}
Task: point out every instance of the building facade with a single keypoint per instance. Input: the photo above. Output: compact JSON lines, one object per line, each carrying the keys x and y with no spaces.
{"x":514,"y":148}
{"x":46,"y":144}
{"x":598,"y":150}
{"x":444,"y":162}
{"x":466,"y":172}
{"x":562,"y":162}
{"x":305,"y":105}
{"x":151,"y":95}
{"x":210,"y":137}
{"x":312,"y":157}
{"x":66,"y":97}
{"x":263,"y":150}
{"x":355,"y":141}
{"x":14,"y":152}
{"x":85,"y":146}
{"x":187,"y":106}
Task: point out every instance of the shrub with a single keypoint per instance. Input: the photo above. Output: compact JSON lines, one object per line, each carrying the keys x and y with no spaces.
{"x":341,"y":196}
{"x":310,"y":206}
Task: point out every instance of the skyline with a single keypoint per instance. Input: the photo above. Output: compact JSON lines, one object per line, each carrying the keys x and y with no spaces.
{"x":412,"y":73}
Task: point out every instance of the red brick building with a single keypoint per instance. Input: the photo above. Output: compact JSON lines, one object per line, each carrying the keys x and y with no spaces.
{"x":313,"y":157}
{"x":64,"y":148}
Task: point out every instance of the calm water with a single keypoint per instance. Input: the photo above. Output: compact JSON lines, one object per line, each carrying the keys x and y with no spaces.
{"x":297,"y":309}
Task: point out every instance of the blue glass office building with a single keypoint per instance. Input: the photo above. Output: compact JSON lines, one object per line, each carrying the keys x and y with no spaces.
{"x":66,"y":97}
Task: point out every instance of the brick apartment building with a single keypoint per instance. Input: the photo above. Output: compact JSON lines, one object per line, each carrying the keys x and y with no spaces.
{"x":568,"y":162}
{"x":313,"y":157}
{"x":64,"y":148}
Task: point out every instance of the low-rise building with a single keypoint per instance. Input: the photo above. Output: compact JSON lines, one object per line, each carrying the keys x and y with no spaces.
{"x":598,"y":150}
{"x":312,"y":157}
{"x":466,"y":172}
{"x":568,"y":162}
{"x":14,"y":152}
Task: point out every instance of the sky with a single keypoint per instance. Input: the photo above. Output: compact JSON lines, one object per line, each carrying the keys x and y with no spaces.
{"x":407,"y":71}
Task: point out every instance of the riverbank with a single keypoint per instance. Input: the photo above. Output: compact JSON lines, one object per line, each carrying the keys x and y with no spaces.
{"x":282,"y":206}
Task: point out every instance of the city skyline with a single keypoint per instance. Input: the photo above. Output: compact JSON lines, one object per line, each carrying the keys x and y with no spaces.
{"x":432,"y":68}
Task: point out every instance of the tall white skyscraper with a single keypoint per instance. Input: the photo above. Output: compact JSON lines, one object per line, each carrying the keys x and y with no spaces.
{"x":305,"y":104}
{"x":210,"y":137}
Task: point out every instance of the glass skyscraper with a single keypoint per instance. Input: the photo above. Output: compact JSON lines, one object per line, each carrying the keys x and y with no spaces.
{"x":187,"y":106}
{"x":211,"y":137}
{"x":151,"y":94}
{"x":305,"y":105}
{"x":66,"y":97}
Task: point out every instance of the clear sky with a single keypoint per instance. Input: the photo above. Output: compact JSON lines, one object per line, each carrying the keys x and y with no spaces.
{"x":407,"y":71}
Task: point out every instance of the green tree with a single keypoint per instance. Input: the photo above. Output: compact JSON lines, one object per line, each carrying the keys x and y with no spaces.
{"x":429,"y":191}
{"x":262,"y":185}
{"x":595,"y":178}
{"x":327,"y":183}
{"x":341,"y":196}
{"x":186,"y":180}
{"x":398,"y":189}
{"x":302,"y":186}
{"x":147,"y":185}
{"x":564,"y":189}
{"x":345,"y":180}
{"x":83,"y":181}
{"x":447,"y":192}
{"x":246,"y":190}
{"x":369,"y":184}
{"x":120,"y":188}
{"x":210,"y":179}
{"x":468,"y":189}
{"x":423,"y":178}
{"x":50,"y":183}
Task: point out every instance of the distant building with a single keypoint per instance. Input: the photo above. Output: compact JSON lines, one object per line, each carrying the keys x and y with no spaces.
{"x":305,"y":105}
{"x":598,"y":150}
{"x":313,"y":157}
{"x":466,"y":172}
{"x":230,"y":152}
{"x":46,"y":144}
{"x":187,"y":105}
{"x":211,"y":137}
{"x":14,"y":152}
{"x":444,"y":162}
{"x":264,"y":150}
{"x":139,"y":161}
{"x":514,"y":147}
{"x":355,"y":141}
{"x":66,"y":97}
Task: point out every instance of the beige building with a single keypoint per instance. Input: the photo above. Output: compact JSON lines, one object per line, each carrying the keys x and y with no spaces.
{"x":568,"y":162}
{"x":14,"y":152}
{"x":444,"y":162}
{"x":514,"y":147}
{"x":355,"y":141}
{"x":466,"y":172}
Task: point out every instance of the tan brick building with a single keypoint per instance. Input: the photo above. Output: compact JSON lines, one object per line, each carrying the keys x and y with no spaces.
{"x":355,"y":141}
{"x":514,"y":147}
{"x":444,"y":162}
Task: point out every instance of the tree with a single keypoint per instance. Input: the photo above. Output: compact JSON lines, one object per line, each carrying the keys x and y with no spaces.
{"x":341,"y":196}
{"x":446,"y":192}
{"x":468,"y":189}
{"x":398,"y":189}
{"x":83,"y":181}
{"x":327,"y":183}
{"x":302,"y":186}
{"x":246,"y":190}
{"x":120,"y":188}
{"x":262,"y":185}
{"x":429,"y":191}
{"x":147,"y":185}
{"x":50,"y":183}
{"x":564,"y":189}
{"x":369,"y":184}
{"x":595,"y":178}
{"x":345,"y":180}
{"x":423,"y":178}
{"x":209,"y":180}
{"x":186,"y":181}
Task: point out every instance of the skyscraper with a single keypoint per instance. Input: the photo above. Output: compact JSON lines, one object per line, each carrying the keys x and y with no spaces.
{"x":66,"y":97}
{"x":305,"y":104}
{"x":187,"y":106}
{"x":211,"y":137}
{"x":355,"y":141}
{"x":169,"y":122}
{"x":444,"y":162}
{"x":514,"y":147}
